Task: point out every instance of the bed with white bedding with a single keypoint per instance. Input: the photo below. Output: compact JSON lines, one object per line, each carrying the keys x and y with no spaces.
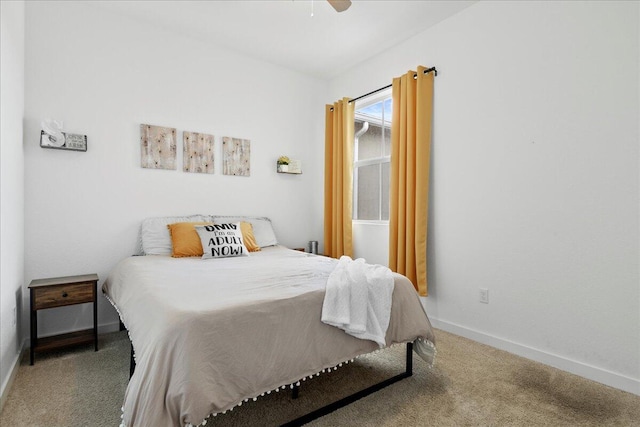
{"x":213,"y":334}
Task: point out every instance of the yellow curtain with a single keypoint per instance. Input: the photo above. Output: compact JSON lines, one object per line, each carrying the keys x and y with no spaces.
{"x":410,"y":165}
{"x":338,"y":178}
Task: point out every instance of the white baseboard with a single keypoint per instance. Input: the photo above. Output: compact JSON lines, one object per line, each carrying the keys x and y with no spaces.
{"x":8,"y":382}
{"x":600,"y":375}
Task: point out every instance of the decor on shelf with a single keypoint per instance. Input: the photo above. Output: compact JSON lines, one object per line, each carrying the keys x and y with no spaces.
{"x":236,"y":156}
{"x":287,"y":165}
{"x":197,"y":153}
{"x":295,"y":166}
{"x":51,"y":136}
{"x":157,"y":147}
{"x":283,"y":164}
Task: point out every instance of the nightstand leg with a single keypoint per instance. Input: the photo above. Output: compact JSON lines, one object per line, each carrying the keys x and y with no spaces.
{"x":34,"y":336}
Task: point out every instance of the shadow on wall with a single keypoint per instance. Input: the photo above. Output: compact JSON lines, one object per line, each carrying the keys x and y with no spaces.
{"x":16,"y":318}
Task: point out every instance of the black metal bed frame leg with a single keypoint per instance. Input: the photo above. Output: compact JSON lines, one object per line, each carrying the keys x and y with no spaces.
{"x":353,"y":397}
{"x":409,"y":363}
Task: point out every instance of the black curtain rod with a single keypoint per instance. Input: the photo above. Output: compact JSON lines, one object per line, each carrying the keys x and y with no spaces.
{"x":428,"y":70}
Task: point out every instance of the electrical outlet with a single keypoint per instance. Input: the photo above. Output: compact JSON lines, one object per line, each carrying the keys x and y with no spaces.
{"x":15,"y":316}
{"x":484,"y":295}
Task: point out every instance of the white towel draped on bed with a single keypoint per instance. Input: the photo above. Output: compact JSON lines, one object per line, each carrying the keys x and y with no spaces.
{"x":358,"y":299}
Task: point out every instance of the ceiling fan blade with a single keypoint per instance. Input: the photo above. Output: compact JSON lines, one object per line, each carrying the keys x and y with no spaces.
{"x":340,"y":5}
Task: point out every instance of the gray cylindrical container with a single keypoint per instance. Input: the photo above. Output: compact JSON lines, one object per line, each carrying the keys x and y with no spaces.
{"x":313,"y":246}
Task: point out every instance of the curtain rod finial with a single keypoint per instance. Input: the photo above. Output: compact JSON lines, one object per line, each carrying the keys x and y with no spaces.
{"x":435,"y":72}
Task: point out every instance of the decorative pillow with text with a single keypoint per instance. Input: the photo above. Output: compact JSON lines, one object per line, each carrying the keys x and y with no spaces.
{"x":221,"y":240}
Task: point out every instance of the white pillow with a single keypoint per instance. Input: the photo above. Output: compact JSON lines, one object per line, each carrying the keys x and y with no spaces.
{"x":155,"y":236}
{"x":221,"y":240}
{"x":262,"y":228}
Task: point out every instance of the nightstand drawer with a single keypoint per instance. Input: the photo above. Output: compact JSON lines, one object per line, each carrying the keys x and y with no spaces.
{"x":61,"y":295}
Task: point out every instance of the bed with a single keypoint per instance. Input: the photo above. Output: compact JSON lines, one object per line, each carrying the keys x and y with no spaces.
{"x":210,"y":335}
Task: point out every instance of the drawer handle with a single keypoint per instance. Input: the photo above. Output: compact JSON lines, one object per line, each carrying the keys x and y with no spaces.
{"x":64,"y":295}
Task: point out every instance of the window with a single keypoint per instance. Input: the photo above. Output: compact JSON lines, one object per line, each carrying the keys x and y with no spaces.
{"x":372,"y":158}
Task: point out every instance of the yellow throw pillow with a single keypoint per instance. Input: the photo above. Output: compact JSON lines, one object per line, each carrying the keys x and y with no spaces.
{"x":185,"y":241}
{"x":248,"y":237}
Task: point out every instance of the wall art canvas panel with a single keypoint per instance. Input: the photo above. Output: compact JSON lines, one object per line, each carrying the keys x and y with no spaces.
{"x":236,"y":154}
{"x":197,"y":152}
{"x":157,"y":147}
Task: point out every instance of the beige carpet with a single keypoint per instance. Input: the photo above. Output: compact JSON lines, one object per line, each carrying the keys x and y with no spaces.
{"x":471,"y":385}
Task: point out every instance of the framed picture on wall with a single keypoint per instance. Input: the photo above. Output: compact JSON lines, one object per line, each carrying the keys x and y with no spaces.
{"x":157,"y":147}
{"x":236,"y":156}
{"x":198,"y":153}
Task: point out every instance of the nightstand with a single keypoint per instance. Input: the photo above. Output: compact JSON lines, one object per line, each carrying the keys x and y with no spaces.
{"x":59,"y":292}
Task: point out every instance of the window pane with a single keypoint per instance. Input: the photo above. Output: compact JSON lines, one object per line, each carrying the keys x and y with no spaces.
{"x":370,"y":143}
{"x":369,"y":192}
{"x":386,"y":169}
{"x":388,"y":109}
{"x":387,"y":141}
{"x":373,"y":111}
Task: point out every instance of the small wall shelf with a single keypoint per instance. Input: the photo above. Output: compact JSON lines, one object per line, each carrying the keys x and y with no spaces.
{"x":294,"y":168}
{"x":291,"y":173}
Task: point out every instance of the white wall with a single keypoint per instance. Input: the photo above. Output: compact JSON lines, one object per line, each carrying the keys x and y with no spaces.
{"x":104,"y":75}
{"x":535,"y":178}
{"x":371,"y":241}
{"x":11,"y":183}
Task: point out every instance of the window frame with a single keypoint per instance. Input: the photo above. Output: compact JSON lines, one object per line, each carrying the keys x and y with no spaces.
{"x":381,"y":96}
